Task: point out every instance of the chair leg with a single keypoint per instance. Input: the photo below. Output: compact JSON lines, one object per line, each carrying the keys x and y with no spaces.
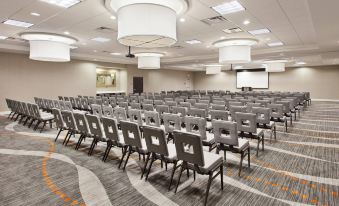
{"x":129,"y":153}
{"x":241,"y":159}
{"x":263,"y":141}
{"x":79,"y":142}
{"x":92,"y":146}
{"x":222,"y":176}
{"x":286,"y":126}
{"x":275,"y":132}
{"x":258,"y":147}
{"x":58,"y":135}
{"x":124,"y":151}
{"x":106,"y":150}
{"x":30,"y":124}
{"x":172,"y":175}
{"x":150,"y":166}
{"x":37,"y":125}
{"x":181,"y":170}
{"x":249,"y":156}
{"x":43,"y":126}
{"x":65,"y":139}
{"x":145,"y":166}
{"x":95,"y":144}
{"x":69,"y":137}
{"x":208,"y":187}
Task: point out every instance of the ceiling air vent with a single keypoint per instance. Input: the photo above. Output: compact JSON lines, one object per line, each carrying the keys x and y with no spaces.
{"x":106,"y":30}
{"x":176,"y":47}
{"x":232,"y":30}
{"x":214,"y":20}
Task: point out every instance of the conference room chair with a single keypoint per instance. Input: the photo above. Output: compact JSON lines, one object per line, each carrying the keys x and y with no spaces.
{"x":62,"y":105}
{"x":167,"y":99}
{"x":96,"y":131}
{"x":83,"y":128}
{"x":113,"y":136}
{"x":179,"y":100}
{"x":278,"y":114}
{"x":113,"y":101}
{"x":286,"y":109}
{"x":56,"y":104}
{"x":171,"y":122}
{"x":78,"y":103}
{"x":202,"y":106}
{"x":41,"y":117}
{"x":135,"y":105}
{"x":124,"y":105}
{"x":161,"y":109}
{"x":84,"y":104}
{"x":187,"y":105}
{"x":59,"y":121}
{"x":171,"y":104}
{"x":134,"y":143}
{"x":204,"y":163}
{"x":218,"y":107}
{"x":191,"y":101}
{"x":60,"y":98}
{"x":96,"y":110}
{"x":70,"y":125}
{"x":231,"y":103}
{"x":135,"y":116}
{"x":263,"y":103}
{"x":247,"y":127}
{"x":120,"y":114}
{"x":182,"y":111}
{"x":148,"y":107}
{"x":152,"y":118}
{"x":250,"y":105}
{"x":198,"y":125}
{"x":226,"y":137}
{"x":147,"y":101}
{"x":234,"y":109}
{"x":107,"y":111}
{"x":264,"y":120}
{"x":219,"y":101}
{"x":159,"y":149}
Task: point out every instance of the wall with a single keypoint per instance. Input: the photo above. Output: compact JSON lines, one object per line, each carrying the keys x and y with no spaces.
{"x":322,"y":82}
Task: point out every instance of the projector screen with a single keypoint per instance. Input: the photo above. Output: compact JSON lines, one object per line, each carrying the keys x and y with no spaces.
{"x":254,"y":79}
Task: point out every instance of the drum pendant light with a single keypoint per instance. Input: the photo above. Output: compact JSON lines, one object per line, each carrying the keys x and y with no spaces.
{"x":149,"y":60}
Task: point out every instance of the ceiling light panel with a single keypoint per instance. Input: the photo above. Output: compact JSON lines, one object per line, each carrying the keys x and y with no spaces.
{"x":232,"y":30}
{"x":18,"y":23}
{"x":101,"y":39}
{"x":228,"y":7}
{"x":62,"y":3}
{"x":259,"y":31}
{"x":274,"y":44}
{"x":3,"y":37}
{"x":193,"y":41}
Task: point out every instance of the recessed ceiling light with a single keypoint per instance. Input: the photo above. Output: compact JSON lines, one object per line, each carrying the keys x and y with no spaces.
{"x":228,"y":7}
{"x":62,"y":3}
{"x":101,"y":39}
{"x":35,"y":14}
{"x":17,"y":23}
{"x":301,"y":63}
{"x":84,"y":43}
{"x":3,"y":37}
{"x":95,"y":51}
{"x":193,"y":41}
{"x":246,"y":22}
{"x":268,"y":39}
{"x":66,"y":32}
{"x":113,"y":17}
{"x":273,"y":44}
{"x":222,"y":37}
{"x":95,"y":60}
{"x":259,"y":31}
{"x":115,"y":54}
{"x":182,"y":19}
{"x":232,"y":30}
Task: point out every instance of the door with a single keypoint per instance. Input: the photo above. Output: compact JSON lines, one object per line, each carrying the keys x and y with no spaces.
{"x":138,"y":85}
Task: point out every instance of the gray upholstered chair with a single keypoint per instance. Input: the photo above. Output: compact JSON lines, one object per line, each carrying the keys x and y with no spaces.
{"x":171,"y":122}
{"x":62,"y":105}
{"x":96,"y":131}
{"x":68,"y":106}
{"x":84,"y":104}
{"x":70,"y":124}
{"x":247,"y":127}
{"x":132,"y":137}
{"x":148,"y":107}
{"x":78,"y":103}
{"x":264,"y":120}
{"x":195,"y":112}
{"x":277,"y":114}
{"x":204,"y":163}
{"x":235,"y":104}
{"x":56,"y":104}
{"x":263,"y":103}
{"x":135,"y":116}
{"x":159,"y":150}
{"x":226,"y":137}
{"x":147,"y":101}
{"x":158,"y":102}
{"x":198,"y":125}
{"x":60,"y":124}
{"x":96,"y":110}
{"x":185,"y":104}
{"x":234,"y":109}
{"x":107,"y":111}
{"x":152,"y":118}
{"x":83,"y":128}
{"x":113,"y":101}
{"x":113,"y":135}
{"x":182,"y":111}
{"x":162,"y":109}
{"x":124,"y":105}
{"x":250,"y":105}
{"x":218,"y":107}
{"x":219,"y":115}
{"x":41,"y":117}
{"x":286,"y":109}
{"x":120,"y":114}
{"x":171,"y":104}
{"x":135,"y":105}
{"x":191,"y":101}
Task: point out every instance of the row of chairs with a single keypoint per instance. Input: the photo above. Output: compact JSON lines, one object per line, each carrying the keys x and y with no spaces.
{"x":28,"y":113}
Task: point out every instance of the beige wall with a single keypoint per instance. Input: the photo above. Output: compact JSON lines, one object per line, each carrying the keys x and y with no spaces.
{"x":22,"y":79}
{"x":322,"y":82}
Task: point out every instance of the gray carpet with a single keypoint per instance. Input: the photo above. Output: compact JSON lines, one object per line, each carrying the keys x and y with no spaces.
{"x":301,"y":168}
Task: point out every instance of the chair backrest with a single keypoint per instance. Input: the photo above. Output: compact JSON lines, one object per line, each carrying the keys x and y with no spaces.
{"x":158,"y":102}
{"x":185,"y":104}
{"x":62,"y":105}
{"x":56,"y":104}
{"x":155,"y":138}
{"x":171,"y":104}
{"x":105,"y":101}
{"x":205,"y":100}
{"x":94,"y":125}
{"x":225,"y":132}
{"x":120,"y":114}
{"x":286,"y":106}
{"x":78,"y":102}
{"x":135,"y":116}
{"x":182,"y":111}
{"x":36,"y":111}
{"x":131,"y":133}
{"x":263,"y":103}
{"x":234,"y":109}
{"x":218,"y":107}
{"x":69,"y":119}
{"x":123,"y":105}
{"x":96,"y":110}
{"x":135,"y":105}
{"x":73,"y":102}
{"x":152,"y":118}
{"x":196,"y":125}
{"x":168,"y":99}
{"x":195,"y":112}
{"x":195,"y":155}
{"x":219,"y":102}
{"x":219,"y":114}
{"x":68,"y":106}
{"x":191,"y":101}
{"x":148,"y":107}
{"x":246,"y":122}
{"x":162,"y":109}
{"x":233,"y":103}
{"x":250,"y":105}
{"x":147,"y":101}
{"x":58,"y":118}
{"x":84,"y":103}
{"x":263,"y":114}
{"x":277,"y":110}
{"x":110,"y":128}
{"x":107,"y":111}
{"x":113,"y":101}
{"x":81,"y":122}
{"x":172,"y":122}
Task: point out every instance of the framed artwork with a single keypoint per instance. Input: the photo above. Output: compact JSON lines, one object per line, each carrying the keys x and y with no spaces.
{"x":106,"y":79}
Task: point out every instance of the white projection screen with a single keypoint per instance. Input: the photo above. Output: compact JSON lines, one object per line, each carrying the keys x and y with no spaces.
{"x":254,"y":79}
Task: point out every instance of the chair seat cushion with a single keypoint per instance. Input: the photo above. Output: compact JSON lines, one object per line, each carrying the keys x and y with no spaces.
{"x":209,"y":139}
{"x":243,"y":143}
{"x":172,"y":153}
{"x":47,"y":116}
{"x":212,"y":161}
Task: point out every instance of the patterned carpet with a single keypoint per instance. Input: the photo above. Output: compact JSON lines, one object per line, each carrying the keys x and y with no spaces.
{"x":301,"y":168}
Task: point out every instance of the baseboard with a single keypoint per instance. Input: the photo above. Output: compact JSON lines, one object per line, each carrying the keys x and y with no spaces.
{"x":326,"y":100}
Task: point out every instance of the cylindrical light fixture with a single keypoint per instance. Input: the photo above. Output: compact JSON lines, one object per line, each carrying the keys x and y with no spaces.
{"x":235,"y":50}
{"x":213,"y":69}
{"x":275,"y":66}
{"x":149,"y":60}
{"x":147,"y":23}
{"x":49,"y":47}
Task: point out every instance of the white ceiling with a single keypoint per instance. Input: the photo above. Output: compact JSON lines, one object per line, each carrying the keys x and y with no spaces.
{"x":308,"y":28}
